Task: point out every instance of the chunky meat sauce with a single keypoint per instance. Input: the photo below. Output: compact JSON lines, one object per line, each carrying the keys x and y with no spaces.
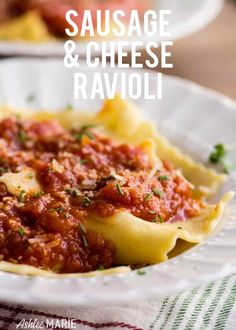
{"x":80,"y":172}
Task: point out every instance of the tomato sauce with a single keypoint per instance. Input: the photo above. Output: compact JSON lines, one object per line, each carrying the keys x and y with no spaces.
{"x":80,"y":171}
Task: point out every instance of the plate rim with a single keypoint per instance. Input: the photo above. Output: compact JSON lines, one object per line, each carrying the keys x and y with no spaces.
{"x":33,"y":295}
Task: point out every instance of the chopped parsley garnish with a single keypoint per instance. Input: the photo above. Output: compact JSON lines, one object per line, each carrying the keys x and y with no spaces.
{"x":21,"y":196}
{"x":21,"y":231}
{"x":218,"y":154}
{"x":161,"y":220}
{"x":179,"y":227}
{"x":82,"y":228}
{"x":30,"y":98}
{"x":73,"y":192}
{"x":29,"y":176}
{"x":69,"y":107}
{"x":83,"y":161}
{"x":85,"y":127}
{"x":79,"y":136}
{"x":141,"y":272}
{"x":83,"y":232}
{"x":163,"y":178}
{"x":38,"y":194}
{"x":148,"y":196}
{"x":3,"y":170}
{"x":158,"y":218}
{"x":3,"y":166}
{"x":89,"y":135}
{"x":119,"y":189}
{"x":86,"y":201}
{"x":100,"y":267}
{"x":158,"y":192}
{"x":84,"y":240}
{"x":22,"y":137}
{"x":110,"y":177}
{"x":58,"y":209}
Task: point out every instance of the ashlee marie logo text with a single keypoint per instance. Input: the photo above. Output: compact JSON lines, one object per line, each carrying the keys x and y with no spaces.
{"x":47,"y":324}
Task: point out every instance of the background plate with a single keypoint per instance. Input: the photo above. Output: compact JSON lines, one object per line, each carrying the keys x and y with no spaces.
{"x":187,"y":16}
{"x":193,"y":118}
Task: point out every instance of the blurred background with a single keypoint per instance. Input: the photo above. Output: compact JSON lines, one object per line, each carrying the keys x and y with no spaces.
{"x":207,"y":56}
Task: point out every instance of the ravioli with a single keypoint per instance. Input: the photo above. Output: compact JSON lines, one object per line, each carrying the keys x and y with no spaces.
{"x":29,"y":28}
{"x":136,"y":240}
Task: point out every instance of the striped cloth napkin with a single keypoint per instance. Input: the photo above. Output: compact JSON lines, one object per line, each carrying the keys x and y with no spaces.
{"x":212,"y":306}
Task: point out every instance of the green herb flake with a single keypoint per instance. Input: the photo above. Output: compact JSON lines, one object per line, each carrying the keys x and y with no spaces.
{"x":148,"y":196}
{"x":100,"y":267}
{"x":3,"y":170}
{"x":141,"y":272}
{"x":83,"y":232}
{"x":160,"y":218}
{"x":29,"y":176}
{"x":73,"y":192}
{"x":17,"y":116}
{"x":21,"y":196}
{"x":158,"y":192}
{"x":22,"y":137}
{"x":82,"y":228}
{"x":88,"y":126}
{"x":119,"y":189}
{"x":218,"y":154}
{"x":59,"y":209}
{"x":110,"y":177}
{"x":69,"y":107}
{"x":79,"y":136}
{"x":21,"y":231}
{"x":86,"y":201}
{"x":179,"y":227}
{"x":154,"y":220}
{"x":89,"y":135}
{"x":163,"y":178}
{"x":85,"y":240}
{"x":83,"y":161}
{"x":38,"y":194}
{"x":30,"y":98}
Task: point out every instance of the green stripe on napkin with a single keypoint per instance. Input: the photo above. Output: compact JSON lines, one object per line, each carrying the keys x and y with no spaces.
{"x":201,"y":308}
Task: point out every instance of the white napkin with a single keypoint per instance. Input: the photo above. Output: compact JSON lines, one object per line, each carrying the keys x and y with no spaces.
{"x":212,"y":306}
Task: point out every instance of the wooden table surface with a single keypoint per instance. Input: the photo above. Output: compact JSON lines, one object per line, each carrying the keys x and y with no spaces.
{"x":208,"y":57}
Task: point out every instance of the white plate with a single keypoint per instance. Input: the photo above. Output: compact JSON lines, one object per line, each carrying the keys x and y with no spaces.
{"x":187,"y":17}
{"x":195,"y":119}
